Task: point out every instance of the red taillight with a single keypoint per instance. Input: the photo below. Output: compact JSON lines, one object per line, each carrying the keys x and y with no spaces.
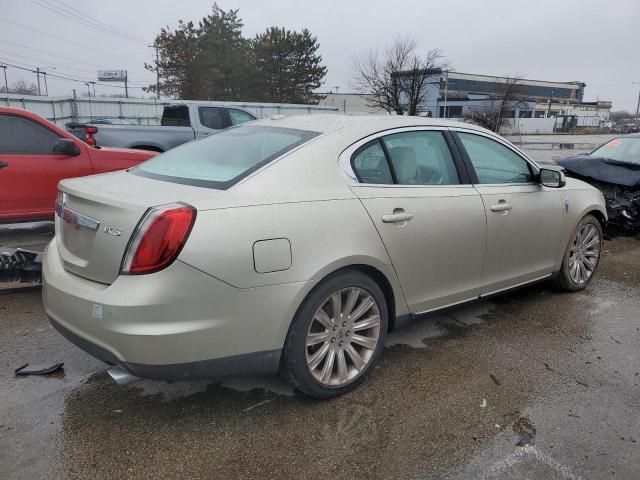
{"x":158,"y":239}
{"x":59,"y":205}
{"x":89,"y":132}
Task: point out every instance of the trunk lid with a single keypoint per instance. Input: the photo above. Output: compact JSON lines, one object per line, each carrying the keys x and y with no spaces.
{"x":101,"y":213}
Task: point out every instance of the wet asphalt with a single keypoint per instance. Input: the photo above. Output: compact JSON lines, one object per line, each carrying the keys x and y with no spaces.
{"x":530,"y":385}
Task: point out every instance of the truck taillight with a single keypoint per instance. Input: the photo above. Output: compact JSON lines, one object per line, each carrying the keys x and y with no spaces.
{"x":158,"y":238}
{"x":89,"y":132}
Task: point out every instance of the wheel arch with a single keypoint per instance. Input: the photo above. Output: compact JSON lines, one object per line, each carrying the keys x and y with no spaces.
{"x":597,"y":211}
{"x":600,"y":216}
{"x":152,"y":148}
{"x":383,"y":275}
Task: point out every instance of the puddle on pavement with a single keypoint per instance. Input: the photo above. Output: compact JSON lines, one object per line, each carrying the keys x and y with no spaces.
{"x":445,"y":388}
{"x":411,"y":414}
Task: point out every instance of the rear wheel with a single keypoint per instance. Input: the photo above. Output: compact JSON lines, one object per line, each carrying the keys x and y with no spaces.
{"x":582,"y":256}
{"x":337,"y":335}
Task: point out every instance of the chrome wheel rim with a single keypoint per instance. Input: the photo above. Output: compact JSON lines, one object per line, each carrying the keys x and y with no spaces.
{"x":584,"y":254}
{"x":342,"y":336}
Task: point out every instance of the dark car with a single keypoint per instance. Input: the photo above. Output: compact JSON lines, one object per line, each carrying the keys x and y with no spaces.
{"x":614,"y":168}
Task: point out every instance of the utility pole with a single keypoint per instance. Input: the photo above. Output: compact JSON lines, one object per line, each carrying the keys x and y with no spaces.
{"x":89,"y":92}
{"x":6,"y":84}
{"x":37,"y":72}
{"x":549,"y":107}
{"x":126,"y":87}
{"x":446,"y":88}
{"x":638,"y":107}
{"x":94,"y":88}
{"x":41,"y":70}
{"x":155,"y":45}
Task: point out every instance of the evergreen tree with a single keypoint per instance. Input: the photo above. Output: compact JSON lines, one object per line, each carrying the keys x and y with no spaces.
{"x":213,"y":61}
{"x":288,"y":66}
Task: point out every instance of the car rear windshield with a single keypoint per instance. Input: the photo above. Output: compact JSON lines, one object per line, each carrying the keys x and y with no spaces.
{"x":223,"y":158}
{"x":624,"y":149}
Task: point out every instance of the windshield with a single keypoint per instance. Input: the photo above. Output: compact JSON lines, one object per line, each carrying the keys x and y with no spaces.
{"x":223,"y":158}
{"x":624,"y":149}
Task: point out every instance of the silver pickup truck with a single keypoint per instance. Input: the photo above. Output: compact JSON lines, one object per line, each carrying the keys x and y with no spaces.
{"x":180,"y":124}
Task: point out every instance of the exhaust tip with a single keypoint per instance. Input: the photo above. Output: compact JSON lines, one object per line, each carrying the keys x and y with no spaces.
{"x":121,"y":376}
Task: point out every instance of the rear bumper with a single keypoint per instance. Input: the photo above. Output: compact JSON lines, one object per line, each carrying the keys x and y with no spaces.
{"x":256,"y":363}
{"x":174,"y":324}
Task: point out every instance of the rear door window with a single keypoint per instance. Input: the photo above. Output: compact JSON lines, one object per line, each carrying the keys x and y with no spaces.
{"x":223,"y":158}
{"x":21,"y":135}
{"x":213,"y":117}
{"x":421,"y":158}
{"x":176,"y":116}
{"x":370,"y":164}
{"x":238,"y":116}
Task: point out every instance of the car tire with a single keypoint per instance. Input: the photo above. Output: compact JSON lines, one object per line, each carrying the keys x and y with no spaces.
{"x":582,"y":256}
{"x":352,"y":341}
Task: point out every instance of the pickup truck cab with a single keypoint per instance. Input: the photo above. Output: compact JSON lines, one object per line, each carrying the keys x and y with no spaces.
{"x":35,"y":155}
{"x":180,"y":123}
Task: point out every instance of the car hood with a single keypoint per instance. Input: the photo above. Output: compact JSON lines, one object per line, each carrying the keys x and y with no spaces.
{"x":603,"y":169}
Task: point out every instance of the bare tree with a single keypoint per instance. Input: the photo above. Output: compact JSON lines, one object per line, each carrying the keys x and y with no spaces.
{"x":21,"y":87}
{"x":397,"y":79}
{"x":620,"y":115}
{"x":507,"y":98}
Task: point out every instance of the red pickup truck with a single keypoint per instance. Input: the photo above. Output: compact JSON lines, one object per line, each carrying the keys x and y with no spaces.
{"x":35,"y":155}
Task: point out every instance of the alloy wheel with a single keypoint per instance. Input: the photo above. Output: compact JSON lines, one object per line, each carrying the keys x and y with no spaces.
{"x":584,"y":254}
{"x":342,"y":336}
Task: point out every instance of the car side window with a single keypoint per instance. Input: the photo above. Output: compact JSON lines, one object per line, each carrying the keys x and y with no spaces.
{"x":213,"y":117}
{"x":23,"y":136}
{"x":370,"y":164}
{"x":421,"y":158}
{"x":238,"y":116}
{"x":493,"y":162}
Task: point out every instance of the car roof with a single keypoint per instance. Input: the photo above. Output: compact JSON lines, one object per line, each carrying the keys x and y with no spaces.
{"x":327,"y":123}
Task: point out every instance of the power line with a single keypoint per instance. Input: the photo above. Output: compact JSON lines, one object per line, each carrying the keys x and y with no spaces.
{"x":55,"y":55}
{"x":69,"y":12}
{"x":135,"y":78}
{"x":84,"y":16}
{"x":62,"y":39}
{"x":71,"y":79}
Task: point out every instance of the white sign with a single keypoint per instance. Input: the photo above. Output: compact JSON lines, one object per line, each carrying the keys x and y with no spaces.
{"x":112,"y":75}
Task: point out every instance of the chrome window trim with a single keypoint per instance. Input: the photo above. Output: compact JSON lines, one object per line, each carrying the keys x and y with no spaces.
{"x":396,"y":185}
{"x":344,"y":159}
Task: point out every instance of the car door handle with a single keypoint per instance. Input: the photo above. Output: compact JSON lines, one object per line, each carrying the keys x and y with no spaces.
{"x":502,"y":206}
{"x":397,"y":217}
{"x":3,"y":164}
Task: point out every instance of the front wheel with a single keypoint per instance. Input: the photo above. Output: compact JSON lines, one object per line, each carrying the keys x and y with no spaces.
{"x":336,"y":336}
{"x":582,"y":256}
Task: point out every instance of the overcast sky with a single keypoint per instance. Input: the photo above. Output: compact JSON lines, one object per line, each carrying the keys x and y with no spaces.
{"x":558,"y":40}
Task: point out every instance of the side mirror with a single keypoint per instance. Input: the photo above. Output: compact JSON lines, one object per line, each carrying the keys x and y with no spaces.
{"x":66,"y":147}
{"x":552,"y":178}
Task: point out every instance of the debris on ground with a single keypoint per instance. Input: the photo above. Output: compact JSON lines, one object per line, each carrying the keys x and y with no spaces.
{"x":38,"y":368}
{"x":524,"y":428}
{"x":20,"y":265}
